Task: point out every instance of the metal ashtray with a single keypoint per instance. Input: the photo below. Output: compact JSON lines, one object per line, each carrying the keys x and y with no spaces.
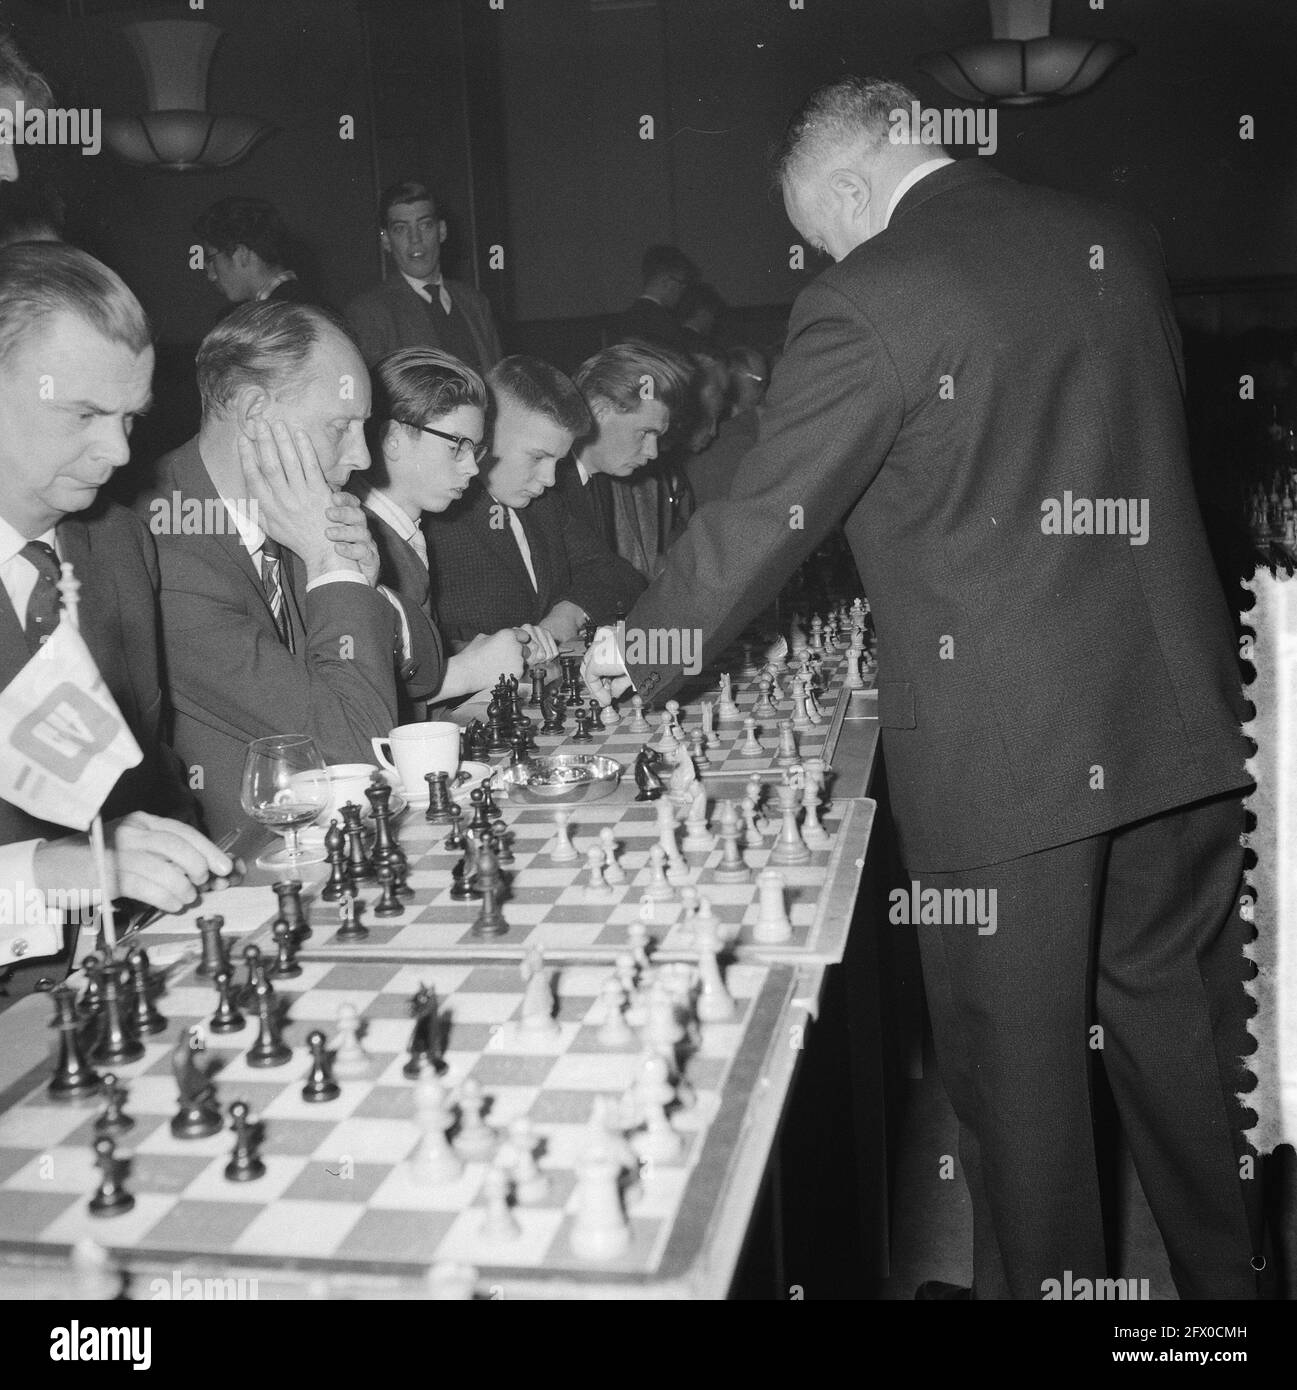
{"x":565,"y":777}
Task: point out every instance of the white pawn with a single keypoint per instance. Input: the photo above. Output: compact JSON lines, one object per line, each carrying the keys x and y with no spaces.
{"x":475,"y":1138}
{"x":640,"y":943}
{"x":698,"y":839}
{"x":666,"y":739}
{"x":538,"y":998}
{"x":666,"y":819}
{"x":599,"y":1229}
{"x":530,"y":1185}
{"x":772,"y":924}
{"x":499,"y":1225}
{"x":350,"y":1060}
{"x":706,"y":921}
{"x":814,"y":834}
{"x":659,"y":1143}
{"x":638,"y":724}
{"x":609,"y":717}
{"x":614,"y":1031}
{"x":564,"y":852}
{"x":659,"y":887}
{"x":612,"y":870}
{"x":752,"y":832}
{"x":433,"y":1163}
{"x":698,"y":750}
{"x":647,"y":912}
{"x":751,"y":743}
{"x":714,"y":1002}
{"x":596,"y":888}
{"x":726,"y":710}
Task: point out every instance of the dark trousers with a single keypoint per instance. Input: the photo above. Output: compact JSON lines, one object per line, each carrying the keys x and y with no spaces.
{"x":1124,"y":949}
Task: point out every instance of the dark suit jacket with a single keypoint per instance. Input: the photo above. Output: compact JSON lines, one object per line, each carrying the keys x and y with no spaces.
{"x":589,"y":502}
{"x":230,"y":677}
{"x":710,"y":473}
{"x":647,"y":319}
{"x":480,"y":583}
{"x":392,"y":316}
{"x":1034,"y":688}
{"x":112,"y":555}
{"x":401,"y":570}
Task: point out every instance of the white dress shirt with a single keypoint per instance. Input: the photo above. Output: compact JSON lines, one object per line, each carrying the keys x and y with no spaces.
{"x":920,"y":171}
{"x":420,"y":287}
{"x":399,"y":520}
{"x":524,"y":547}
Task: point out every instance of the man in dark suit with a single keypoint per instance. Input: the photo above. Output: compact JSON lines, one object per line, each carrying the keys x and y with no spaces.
{"x":651,"y":317}
{"x":67,"y":320}
{"x":272,"y":618}
{"x":246,"y":251}
{"x":426,"y":435}
{"x":985,"y":374}
{"x":510,"y":553}
{"x":418,"y":306}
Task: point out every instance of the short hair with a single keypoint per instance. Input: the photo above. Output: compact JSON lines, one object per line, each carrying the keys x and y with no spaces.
{"x":18,"y":73}
{"x":250,"y":222}
{"x":667,"y":260}
{"x":750,"y":360}
{"x":616,"y":374}
{"x":698,"y":297}
{"x":414,"y":386}
{"x":263,"y":344}
{"x":845,"y":112}
{"x":537,"y":386}
{"x":42,"y":278}
{"x":407,"y":191}
{"x":31,"y":212}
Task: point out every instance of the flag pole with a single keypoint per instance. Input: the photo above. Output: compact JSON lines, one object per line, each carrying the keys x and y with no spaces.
{"x":69,"y":592}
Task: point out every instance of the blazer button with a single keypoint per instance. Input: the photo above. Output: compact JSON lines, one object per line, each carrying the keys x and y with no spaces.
{"x":409,"y":669}
{"x":18,"y":948}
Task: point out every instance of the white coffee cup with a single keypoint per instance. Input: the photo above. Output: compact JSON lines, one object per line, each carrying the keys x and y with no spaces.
{"x":347,"y":782}
{"x":411,"y":751}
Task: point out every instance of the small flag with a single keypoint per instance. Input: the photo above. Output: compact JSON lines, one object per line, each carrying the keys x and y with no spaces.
{"x":63,"y":741}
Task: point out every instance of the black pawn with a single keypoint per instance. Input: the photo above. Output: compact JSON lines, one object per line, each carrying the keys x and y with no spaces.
{"x":359,"y":868}
{"x":423,"y":1036}
{"x":214,"y":958}
{"x":349,"y":924}
{"x":497,"y":736}
{"x":247,"y":995}
{"x":269,"y":1050}
{"x":145,"y":1015}
{"x":245,"y":1163}
{"x":227,"y":1018}
{"x":582,"y":734}
{"x":388,"y":905}
{"x":503,"y":843}
{"x":521,"y":754}
{"x":400,"y":872}
{"x":116,"y":1046}
{"x":320,"y":1085}
{"x":285,"y":966}
{"x":481,"y":821}
{"x":111,"y":1197}
{"x":490,"y":921}
{"x":439,"y":800}
{"x":527,"y":726}
{"x":537,"y":687}
{"x":74,"y":1078}
{"x":455,"y":841}
{"x":290,"y":908}
{"x":92,"y":998}
{"x":113,"y":1119}
{"x":335,"y":849}
{"x":488,"y":800}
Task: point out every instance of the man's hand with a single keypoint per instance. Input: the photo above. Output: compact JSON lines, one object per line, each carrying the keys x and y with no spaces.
{"x":541,"y":644}
{"x":283,"y":477}
{"x":564,"y":620}
{"x":155,"y":860}
{"x":603,"y":671}
{"x":350,"y":534}
{"x":481,"y":662}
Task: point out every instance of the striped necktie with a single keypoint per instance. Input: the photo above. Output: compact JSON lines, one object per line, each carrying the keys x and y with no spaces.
{"x":272,"y":555}
{"x":438,"y":293}
{"x":43,"y":607}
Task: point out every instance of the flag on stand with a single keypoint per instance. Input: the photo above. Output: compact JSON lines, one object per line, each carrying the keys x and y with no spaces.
{"x":63,"y":741}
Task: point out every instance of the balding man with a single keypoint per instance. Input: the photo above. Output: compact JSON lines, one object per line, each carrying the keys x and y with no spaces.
{"x":271,"y":616}
{"x":996,"y":414}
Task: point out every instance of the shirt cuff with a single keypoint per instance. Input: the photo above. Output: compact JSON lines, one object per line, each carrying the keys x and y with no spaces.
{"x":337,"y":577}
{"x":29,"y":927}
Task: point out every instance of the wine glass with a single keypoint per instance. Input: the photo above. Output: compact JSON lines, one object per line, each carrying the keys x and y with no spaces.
{"x":285,"y":786}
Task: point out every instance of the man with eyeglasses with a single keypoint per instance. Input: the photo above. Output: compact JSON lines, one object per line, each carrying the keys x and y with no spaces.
{"x":418,"y":306}
{"x":426,"y":435}
{"x":510,"y":553}
{"x":667,"y":273}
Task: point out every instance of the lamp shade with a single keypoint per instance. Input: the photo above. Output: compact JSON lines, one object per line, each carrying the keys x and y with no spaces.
{"x":177,"y":132}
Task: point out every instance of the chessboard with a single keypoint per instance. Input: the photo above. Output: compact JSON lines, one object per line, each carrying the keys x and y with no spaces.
{"x":364,"y":1193}
{"x":550,"y":904}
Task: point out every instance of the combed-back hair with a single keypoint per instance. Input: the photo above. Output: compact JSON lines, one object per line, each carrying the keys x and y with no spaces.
{"x":416,"y":386}
{"x":266,"y":345}
{"x":406,"y":191}
{"x":250,"y":222}
{"x":667,"y":260}
{"x":626,"y":374}
{"x":845,"y":112}
{"x":18,"y":73}
{"x":41,"y":278}
{"x":537,"y":386}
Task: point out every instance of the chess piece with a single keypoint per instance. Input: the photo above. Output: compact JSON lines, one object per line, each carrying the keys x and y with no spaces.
{"x":614,"y":1031}
{"x":727,"y":711}
{"x":552,"y":712}
{"x":659,"y":1143}
{"x":609,"y":717}
{"x":530,"y":1184}
{"x":772,"y":925}
{"x":789,"y":847}
{"x":698,"y":839}
{"x":537,"y":687}
{"x":92,"y":998}
{"x":335,"y":850}
{"x":439,"y":799}
{"x":787,"y":744}
{"x":666,"y":823}
{"x":350,"y":1060}
{"x":499,"y":1225}
{"x":638,"y":724}
{"x":227,"y":1018}
{"x":751,"y":747}
{"x":765,"y":706}
{"x":455,"y":841}
{"x":698,"y":749}
{"x":564,"y":852}
{"x":714,"y":1002}
{"x":198,"y":1115}
{"x":74,"y":1078}
{"x":116,"y":1044}
{"x":350,"y":927}
{"x":596,"y":887}
{"x":434,"y":1161}
{"x":639,"y":941}
{"x":424,"y":1037}
{"x":582,"y":734}
{"x":474,"y":1138}
{"x":256,"y":975}
{"x":246,"y":1163}
{"x":599,"y":1229}
{"x":659,"y":887}
{"x":503,"y":843}
{"x":360,"y":868}
{"x":290,"y":909}
{"x":388,"y":904}
{"x":269,"y":1050}
{"x":490,"y":884}
{"x":214,"y":958}
{"x":285,"y":966}
{"x":612,"y":870}
{"x":731,"y":869}
{"x":667,"y":740}
{"x":538,"y":1019}
{"x":648,"y":783}
{"x":320,"y":1085}
{"x":110,"y":1196}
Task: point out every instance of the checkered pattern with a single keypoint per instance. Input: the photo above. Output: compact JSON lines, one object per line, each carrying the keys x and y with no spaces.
{"x":337,"y":1192}
{"x":549,"y":904}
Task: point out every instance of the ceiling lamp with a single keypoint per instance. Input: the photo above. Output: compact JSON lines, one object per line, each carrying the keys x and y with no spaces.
{"x":177,"y":132}
{"x":1023,"y":64}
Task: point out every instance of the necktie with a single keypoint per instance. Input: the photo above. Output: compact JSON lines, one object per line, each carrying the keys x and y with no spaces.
{"x":420,"y":546}
{"x":43,"y":607}
{"x":271,"y":566}
{"x":437,"y":289}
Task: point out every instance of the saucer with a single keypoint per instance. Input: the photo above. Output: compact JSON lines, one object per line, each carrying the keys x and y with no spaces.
{"x":460,"y":786}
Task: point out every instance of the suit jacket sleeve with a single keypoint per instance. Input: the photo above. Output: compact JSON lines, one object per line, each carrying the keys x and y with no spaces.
{"x":229,"y":671}
{"x":836,"y":405}
{"x":600,"y":582}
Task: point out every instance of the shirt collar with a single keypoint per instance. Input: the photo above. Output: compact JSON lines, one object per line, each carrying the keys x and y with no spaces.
{"x":396,"y":517}
{"x":271,"y":286}
{"x":920,"y":171}
{"x":582,"y":471}
{"x":12,"y":541}
{"x":417,"y":285}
